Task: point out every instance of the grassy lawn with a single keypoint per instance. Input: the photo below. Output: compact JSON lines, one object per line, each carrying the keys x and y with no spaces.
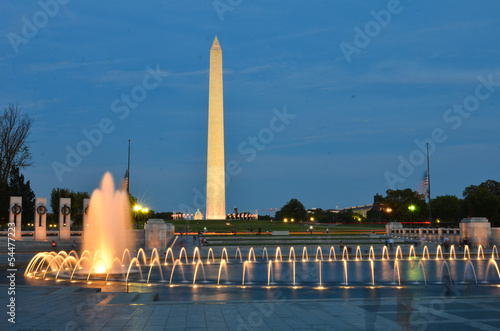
{"x":242,"y":227}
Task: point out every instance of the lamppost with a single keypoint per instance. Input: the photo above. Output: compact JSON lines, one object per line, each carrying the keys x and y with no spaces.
{"x":140,"y":212}
{"x":411,"y":208}
{"x":388,"y":210}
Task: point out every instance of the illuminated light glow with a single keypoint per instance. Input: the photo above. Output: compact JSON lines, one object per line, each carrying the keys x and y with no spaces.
{"x":109,"y":214}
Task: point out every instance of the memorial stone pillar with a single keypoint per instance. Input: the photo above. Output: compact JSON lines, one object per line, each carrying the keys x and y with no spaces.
{"x":40,"y":221}
{"x":15,"y":215}
{"x":156,"y":232}
{"x":64,"y":218}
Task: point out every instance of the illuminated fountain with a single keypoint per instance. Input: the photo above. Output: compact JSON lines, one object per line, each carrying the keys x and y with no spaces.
{"x":107,"y":233}
{"x":108,"y":257}
{"x":106,"y":238}
{"x":246,"y":270}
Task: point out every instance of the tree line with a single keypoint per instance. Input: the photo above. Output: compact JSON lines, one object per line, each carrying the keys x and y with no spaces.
{"x":410,"y":206}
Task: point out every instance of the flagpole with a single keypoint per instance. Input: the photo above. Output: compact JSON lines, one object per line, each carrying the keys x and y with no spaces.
{"x":429,"y":184}
{"x":128,"y":169}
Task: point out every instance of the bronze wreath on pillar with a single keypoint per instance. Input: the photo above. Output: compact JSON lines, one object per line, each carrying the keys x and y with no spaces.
{"x":16,"y":209}
{"x":41,"y":209}
{"x":65,"y":210}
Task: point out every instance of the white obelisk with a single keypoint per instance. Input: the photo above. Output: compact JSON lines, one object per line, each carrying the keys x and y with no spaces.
{"x":216,"y":186}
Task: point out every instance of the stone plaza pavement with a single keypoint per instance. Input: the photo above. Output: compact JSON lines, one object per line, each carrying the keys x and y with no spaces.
{"x":84,"y":308}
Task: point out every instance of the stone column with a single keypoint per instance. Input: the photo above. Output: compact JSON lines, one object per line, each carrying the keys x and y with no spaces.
{"x":392,"y":226}
{"x":85,"y":215}
{"x":40,"y":221}
{"x":440,"y":232}
{"x":476,"y":227}
{"x":15,"y":215}
{"x":156,"y":232}
{"x":420,"y":233}
{"x":170,"y":231}
{"x":64,"y":218}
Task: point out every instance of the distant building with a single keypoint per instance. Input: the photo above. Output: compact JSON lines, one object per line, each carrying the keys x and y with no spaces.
{"x":198,"y":215}
{"x":363,"y":209}
{"x":242,"y":216}
{"x":178,"y":216}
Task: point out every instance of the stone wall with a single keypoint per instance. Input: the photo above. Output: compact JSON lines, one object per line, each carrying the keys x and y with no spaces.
{"x":495,"y":236}
{"x":476,"y":228}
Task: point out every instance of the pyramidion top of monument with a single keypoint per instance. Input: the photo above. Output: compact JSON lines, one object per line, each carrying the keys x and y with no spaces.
{"x":216,"y":45}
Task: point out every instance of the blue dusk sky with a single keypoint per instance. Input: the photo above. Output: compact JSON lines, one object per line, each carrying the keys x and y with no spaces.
{"x":329,"y":102}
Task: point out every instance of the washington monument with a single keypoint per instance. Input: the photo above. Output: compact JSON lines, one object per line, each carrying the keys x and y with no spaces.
{"x":216,"y":186}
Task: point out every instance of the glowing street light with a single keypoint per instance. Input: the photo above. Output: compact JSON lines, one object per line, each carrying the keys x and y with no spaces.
{"x":139,"y":213}
{"x":411,"y":208}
